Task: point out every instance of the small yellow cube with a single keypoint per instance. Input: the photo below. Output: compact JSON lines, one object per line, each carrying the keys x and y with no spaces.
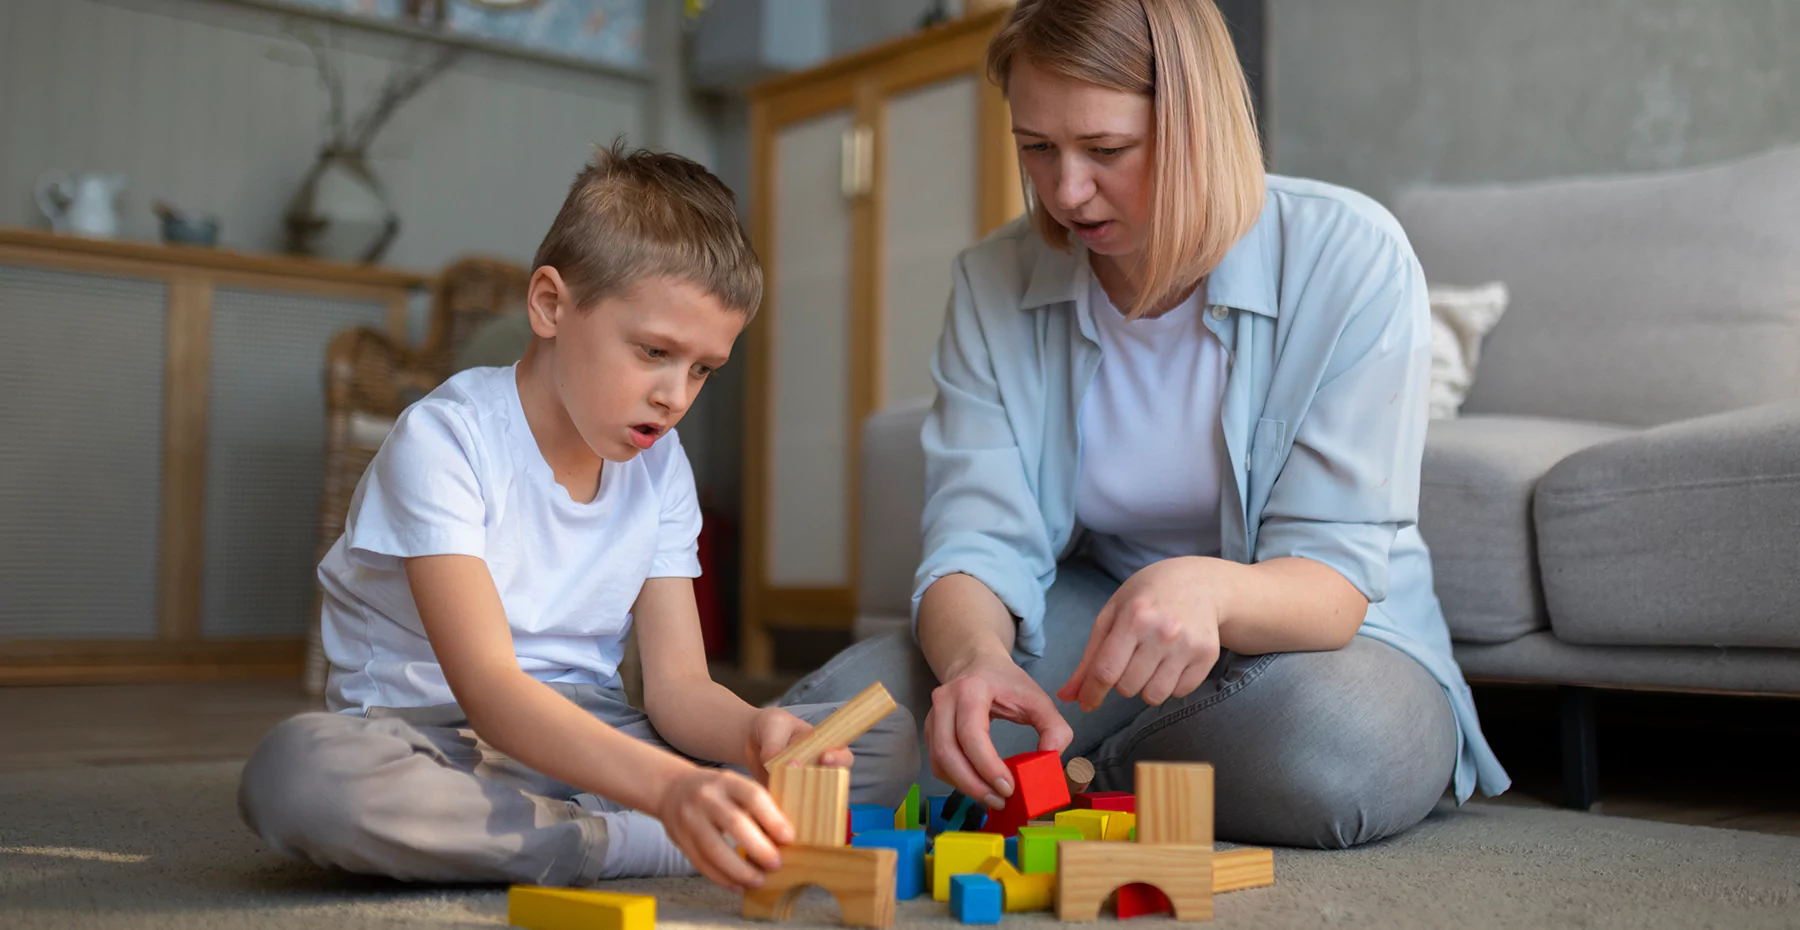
{"x":1091,"y":823}
{"x":1119,"y":825}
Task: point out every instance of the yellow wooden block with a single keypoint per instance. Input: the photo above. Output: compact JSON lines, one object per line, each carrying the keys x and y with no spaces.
{"x":1091,"y":823}
{"x":816,"y":800}
{"x":1175,"y":803}
{"x":535,"y":908}
{"x":1021,"y":892}
{"x":1119,"y":824}
{"x":960,"y":853}
{"x":1245,"y":867}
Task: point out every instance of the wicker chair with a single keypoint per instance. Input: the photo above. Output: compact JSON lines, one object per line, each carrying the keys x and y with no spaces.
{"x":370,"y":377}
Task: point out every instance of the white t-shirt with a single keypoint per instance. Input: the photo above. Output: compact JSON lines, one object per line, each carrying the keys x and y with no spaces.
{"x":461,"y":474}
{"x":1151,"y":443}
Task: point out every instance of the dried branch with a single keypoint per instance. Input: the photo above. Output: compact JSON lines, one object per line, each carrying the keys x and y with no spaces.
{"x":329,"y":78}
{"x":402,"y":84}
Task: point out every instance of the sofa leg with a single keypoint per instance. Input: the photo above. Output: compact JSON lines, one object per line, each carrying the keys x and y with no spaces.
{"x":1580,"y":750}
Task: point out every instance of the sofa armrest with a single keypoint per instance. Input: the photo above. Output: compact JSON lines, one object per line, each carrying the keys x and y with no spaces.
{"x":1681,"y":535}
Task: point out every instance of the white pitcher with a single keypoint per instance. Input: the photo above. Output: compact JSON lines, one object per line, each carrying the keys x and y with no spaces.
{"x":83,"y":205}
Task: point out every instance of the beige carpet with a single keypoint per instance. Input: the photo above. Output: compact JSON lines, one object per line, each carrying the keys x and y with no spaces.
{"x":160,"y":846}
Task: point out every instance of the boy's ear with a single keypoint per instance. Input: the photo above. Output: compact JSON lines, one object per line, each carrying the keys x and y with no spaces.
{"x":547,"y":300}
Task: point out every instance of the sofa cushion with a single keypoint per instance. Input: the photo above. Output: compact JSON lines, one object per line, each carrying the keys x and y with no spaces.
{"x":1683,"y":535}
{"x":1475,"y":514}
{"x":891,"y":496}
{"x":1541,"y":658}
{"x":1638,"y":299}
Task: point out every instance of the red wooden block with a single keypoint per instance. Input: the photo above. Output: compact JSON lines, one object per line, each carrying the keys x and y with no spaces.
{"x":1107,"y":801}
{"x":1138,"y":899}
{"x":1038,"y":788}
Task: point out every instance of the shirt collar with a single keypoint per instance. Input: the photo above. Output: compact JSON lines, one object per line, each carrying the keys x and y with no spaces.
{"x":1244,"y":279}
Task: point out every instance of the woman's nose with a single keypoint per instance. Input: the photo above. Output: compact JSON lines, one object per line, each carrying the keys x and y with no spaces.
{"x":1074,"y":186}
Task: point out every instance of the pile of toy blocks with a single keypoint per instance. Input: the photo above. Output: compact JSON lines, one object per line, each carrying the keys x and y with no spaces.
{"x":1151,"y":852}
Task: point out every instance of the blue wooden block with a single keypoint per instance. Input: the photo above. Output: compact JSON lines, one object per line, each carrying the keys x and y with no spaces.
{"x":866,"y":817}
{"x":955,"y":812}
{"x":1012,"y":850}
{"x":909,"y":873}
{"x":975,"y":899}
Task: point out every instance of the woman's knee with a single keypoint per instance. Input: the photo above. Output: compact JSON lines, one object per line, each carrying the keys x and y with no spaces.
{"x":887,"y":759}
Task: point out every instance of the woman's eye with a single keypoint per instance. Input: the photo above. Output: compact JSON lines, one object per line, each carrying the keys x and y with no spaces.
{"x":1036,"y":147}
{"x":1104,"y":152}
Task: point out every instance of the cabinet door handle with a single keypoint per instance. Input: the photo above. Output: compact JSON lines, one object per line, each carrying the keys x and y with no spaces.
{"x":856,"y":170}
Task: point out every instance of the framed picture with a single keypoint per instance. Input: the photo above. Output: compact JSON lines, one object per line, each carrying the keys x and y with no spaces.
{"x":605,"y":31}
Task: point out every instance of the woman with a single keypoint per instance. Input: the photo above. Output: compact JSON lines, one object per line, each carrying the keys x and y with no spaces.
{"x":1173,"y":465}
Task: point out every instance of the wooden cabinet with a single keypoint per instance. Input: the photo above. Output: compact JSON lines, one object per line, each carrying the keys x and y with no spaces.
{"x":163,"y":423}
{"x":869,"y":175}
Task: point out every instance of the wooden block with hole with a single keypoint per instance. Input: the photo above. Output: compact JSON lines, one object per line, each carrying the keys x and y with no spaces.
{"x":1237,"y":869}
{"x":861,"y":880}
{"x":1087,"y":873}
{"x":840,"y":729}
{"x":534,"y":908}
{"x":815,"y":799}
{"x":1175,"y":803}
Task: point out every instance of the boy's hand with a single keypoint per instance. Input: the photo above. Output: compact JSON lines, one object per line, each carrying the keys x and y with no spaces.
{"x":709,"y":813}
{"x":773,"y":730}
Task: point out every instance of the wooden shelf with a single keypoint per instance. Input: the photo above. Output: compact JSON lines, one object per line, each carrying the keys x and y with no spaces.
{"x":191,"y":257}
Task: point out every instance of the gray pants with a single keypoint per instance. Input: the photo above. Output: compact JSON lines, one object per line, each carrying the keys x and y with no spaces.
{"x":415,"y":795}
{"x":1313,"y":749}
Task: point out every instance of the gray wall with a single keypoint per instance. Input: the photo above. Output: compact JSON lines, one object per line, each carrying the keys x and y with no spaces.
{"x":1379,"y":94}
{"x":213,"y":107}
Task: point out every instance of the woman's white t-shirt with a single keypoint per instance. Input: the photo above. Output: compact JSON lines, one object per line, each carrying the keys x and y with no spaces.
{"x":461,"y":474}
{"x":1151,"y":443}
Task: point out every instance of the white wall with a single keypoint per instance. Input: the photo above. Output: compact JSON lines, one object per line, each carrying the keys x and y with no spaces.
{"x":213,"y":107}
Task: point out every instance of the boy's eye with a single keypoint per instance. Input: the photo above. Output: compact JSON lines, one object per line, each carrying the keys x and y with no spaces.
{"x":653,"y":352}
{"x":701,"y":371}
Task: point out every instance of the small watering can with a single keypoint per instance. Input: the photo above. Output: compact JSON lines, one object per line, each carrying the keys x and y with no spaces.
{"x":83,"y":205}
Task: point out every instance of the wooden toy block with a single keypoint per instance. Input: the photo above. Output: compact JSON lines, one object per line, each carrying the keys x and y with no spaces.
{"x":1175,"y":803}
{"x":840,"y":729}
{"x":906,"y":816}
{"x":1107,"y":801}
{"x":866,"y":817}
{"x":1038,"y":788}
{"x":862,"y":881}
{"x":1092,"y":824}
{"x":1138,"y":899}
{"x":1037,"y":848}
{"x":1019,"y":892}
{"x":535,"y":908}
{"x":957,"y":853}
{"x":1237,"y":869}
{"x":975,"y":899}
{"x":814,"y":798}
{"x":954,"y":812}
{"x":909,"y":872}
{"x":1078,"y":775}
{"x":930,"y":872}
{"x":1012,"y":849}
{"x":1121,"y":826}
{"x":1088,"y":872}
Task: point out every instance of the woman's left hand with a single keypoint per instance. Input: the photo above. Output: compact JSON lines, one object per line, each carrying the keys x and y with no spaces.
{"x":1158,"y":636}
{"x":773,"y":730}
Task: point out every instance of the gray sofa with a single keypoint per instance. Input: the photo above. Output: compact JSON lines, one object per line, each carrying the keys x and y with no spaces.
{"x":1618,"y":505}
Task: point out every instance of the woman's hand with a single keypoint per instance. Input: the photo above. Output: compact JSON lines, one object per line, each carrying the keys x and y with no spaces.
{"x":773,"y":730}
{"x":956,"y":728}
{"x":1158,"y":636}
{"x":709,"y":813}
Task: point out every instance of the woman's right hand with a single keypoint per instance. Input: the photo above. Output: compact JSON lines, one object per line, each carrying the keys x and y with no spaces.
{"x":956,"y":728}
{"x":709,"y":813}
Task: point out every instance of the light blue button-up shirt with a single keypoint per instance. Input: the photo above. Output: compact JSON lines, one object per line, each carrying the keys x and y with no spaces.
{"x":1324,"y":311}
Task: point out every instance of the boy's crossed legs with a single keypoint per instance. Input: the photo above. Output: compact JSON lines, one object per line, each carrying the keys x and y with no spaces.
{"x":413,"y":794}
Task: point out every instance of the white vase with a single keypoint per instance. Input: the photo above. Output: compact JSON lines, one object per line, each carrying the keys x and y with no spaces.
{"x":341,"y":213}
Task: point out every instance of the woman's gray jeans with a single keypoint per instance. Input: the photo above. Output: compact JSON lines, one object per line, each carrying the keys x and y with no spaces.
{"x":1313,"y":749}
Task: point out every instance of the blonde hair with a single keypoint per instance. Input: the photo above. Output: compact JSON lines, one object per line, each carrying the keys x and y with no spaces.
{"x":632,"y":215}
{"x":1207,"y":168}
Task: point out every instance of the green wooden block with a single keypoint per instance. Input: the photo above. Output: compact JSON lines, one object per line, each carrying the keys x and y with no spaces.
{"x":1037,"y":847}
{"x":906,"y":816}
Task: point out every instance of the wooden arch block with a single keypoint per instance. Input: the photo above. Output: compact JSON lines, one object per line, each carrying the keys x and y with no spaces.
{"x":1087,"y":873}
{"x":862,"y":881}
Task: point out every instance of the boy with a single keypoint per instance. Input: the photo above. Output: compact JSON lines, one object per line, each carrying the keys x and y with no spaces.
{"x":514,"y":525}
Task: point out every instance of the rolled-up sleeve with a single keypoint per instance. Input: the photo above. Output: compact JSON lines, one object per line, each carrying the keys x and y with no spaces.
{"x":981,"y":516}
{"x":1350,"y":482}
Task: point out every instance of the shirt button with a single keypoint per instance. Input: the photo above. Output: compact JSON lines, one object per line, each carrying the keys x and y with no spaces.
{"x":1220,"y":313}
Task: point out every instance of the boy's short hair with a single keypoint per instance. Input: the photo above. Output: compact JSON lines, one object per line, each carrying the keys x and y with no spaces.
{"x":635,"y":214}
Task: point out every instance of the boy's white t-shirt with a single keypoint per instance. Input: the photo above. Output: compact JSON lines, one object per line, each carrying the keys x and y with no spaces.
{"x":461,"y":474}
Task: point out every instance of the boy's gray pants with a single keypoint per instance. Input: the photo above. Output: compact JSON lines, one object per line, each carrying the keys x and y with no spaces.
{"x":413,"y":794}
